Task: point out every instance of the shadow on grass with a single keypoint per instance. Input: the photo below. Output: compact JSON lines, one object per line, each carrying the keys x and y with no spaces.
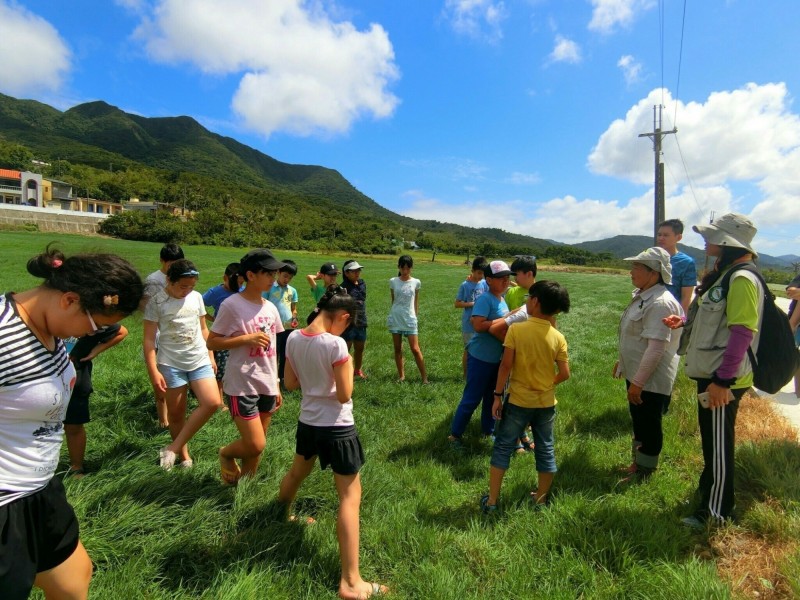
{"x":767,"y":469}
{"x":608,"y":424}
{"x":436,"y":447}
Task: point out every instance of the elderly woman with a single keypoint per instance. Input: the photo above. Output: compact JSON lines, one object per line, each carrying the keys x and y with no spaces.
{"x":723,"y":328}
{"x":647,"y":356}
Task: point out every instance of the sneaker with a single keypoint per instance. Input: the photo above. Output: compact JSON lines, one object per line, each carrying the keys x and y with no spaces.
{"x":360,"y":374}
{"x":166,"y":459}
{"x":693,"y":523}
{"x":487,"y":508}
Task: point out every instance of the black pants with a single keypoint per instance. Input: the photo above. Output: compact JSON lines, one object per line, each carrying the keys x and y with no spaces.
{"x":717,"y":434}
{"x":646,"y":418}
{"x":282,"y":351}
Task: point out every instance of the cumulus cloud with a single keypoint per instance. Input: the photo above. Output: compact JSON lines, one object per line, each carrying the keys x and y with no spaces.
{"x":480,"y":19}
{"x":607,"y":15}
{"x":745,"y":135}
{"x":34,"y":56}
{"x":301,"y":71}
{"x":565,"y":50}
{"x":631,"y":69}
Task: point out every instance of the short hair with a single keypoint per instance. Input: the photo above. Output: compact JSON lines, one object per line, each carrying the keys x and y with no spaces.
{"x":479,"y":263}
{"x":105,"y":283}
{"x":524,"y":263}
{"x":171,"y":252}
{"x":675,"y":224}
{"x":553,"y":297}
{"x":289,"y":266}
{"x":181,"y":268}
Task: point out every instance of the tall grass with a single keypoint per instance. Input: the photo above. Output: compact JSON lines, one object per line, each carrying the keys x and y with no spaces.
{"x":182,"y":534}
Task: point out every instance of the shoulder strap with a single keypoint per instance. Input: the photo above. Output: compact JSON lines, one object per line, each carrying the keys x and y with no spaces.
{"x":745,"y":266}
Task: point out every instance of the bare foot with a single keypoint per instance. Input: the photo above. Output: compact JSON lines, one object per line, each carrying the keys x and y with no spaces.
{"x":229,"y":470}
{"x":361,"y":591}
{"x":303,"y":521}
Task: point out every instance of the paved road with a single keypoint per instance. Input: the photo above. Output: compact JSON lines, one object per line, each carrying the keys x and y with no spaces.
{"x":785,"y":400}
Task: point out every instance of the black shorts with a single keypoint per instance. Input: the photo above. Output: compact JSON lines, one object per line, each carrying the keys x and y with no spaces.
{"x":338,"y":447}
{"x":249,"y":407}
{"x":78,"y":407}
{"x":355,"y":334}
{"x":38,"y":532}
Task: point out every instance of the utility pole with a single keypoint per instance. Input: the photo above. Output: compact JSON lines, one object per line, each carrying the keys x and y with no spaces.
{"x":658,"y":187}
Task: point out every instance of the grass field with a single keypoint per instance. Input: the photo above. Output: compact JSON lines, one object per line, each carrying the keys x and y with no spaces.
{"x":181,"y":534}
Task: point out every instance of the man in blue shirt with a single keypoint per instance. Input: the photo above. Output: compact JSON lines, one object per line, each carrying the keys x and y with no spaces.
{"x":684,"y":272}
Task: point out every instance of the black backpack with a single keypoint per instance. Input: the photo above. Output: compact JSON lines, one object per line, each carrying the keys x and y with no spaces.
{"x":777,"y":359}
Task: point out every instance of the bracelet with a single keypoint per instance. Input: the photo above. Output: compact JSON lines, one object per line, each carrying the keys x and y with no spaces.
{"x":499,"y":394}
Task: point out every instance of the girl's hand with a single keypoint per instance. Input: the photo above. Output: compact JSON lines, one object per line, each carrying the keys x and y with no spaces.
{"x":258,"y":339}
{"x":158,"y":382}
{"x":497,"y":409}
{"x":278,"y":401}
{"x":673,"y":321}
{"x":214,"y":366}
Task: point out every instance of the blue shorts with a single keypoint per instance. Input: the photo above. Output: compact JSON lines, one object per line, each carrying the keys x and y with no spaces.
{"x":403,"y":332}
{"x":355,"y":334}
{"x":176,"y":378}
{"x":512,"y":425}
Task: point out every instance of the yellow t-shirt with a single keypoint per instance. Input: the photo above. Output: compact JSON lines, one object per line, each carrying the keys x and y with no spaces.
{"x":537,"y":346}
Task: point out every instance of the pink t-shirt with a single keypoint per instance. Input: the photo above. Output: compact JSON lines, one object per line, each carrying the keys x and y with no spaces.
{"x":313,"y":358}
{"x":249,"y":370}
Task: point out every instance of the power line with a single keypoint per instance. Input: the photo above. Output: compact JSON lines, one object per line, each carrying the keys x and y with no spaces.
{"x":661,"y":43}
{"x":688,"y":177}
{"x":680,"y":61}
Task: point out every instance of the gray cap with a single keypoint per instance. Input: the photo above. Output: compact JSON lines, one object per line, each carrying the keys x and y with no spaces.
{"x":657,"y":259}
{"x":732,"y":230}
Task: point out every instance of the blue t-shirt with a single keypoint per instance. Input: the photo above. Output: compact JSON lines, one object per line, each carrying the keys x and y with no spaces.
{"x":215,"y":296}
{"x":484,"y":346}
{"x":282,"y":297}
{"x":684,"y":274}
{"x":469,"y":291}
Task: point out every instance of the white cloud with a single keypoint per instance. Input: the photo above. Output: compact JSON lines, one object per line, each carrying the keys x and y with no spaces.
{"x":631,"y":69}
{"x":746,"y":135}
{"x":302,"y":72}
{"x":568,"y":219}
{"x":565,"y":50}
{"x":607,"y":15}
{"x":480,"y":19}
{"x":34,"y":57}
{"x":518,"y":178}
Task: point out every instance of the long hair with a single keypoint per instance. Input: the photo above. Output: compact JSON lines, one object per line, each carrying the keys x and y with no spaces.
{"x":335,"y":298}
{"x":727,"y":257}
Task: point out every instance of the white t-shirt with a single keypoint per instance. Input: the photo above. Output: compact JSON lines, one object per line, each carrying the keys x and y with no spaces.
{"x":154,"y":283}
{"x":313,"y":358}
{"x":402,"y":316}
{"x":35,"y":386}
{"x":249,"y":370}
{"x":180,"y":344}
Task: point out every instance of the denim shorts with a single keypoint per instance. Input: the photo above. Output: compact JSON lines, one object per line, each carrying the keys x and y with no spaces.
{"x":512,"y":425}
{"x":176,"y":378}
{"x":403,"y":332}
{"x":355,"y":334}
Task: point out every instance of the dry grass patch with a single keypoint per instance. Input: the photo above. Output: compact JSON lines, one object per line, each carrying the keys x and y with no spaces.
{"x":758,"y":420}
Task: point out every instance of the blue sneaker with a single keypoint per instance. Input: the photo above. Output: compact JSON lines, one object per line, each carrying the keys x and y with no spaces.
{"x":487,"y":508}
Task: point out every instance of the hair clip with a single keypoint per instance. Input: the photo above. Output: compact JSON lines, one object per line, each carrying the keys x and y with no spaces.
{"x":57,"y":262}
{"x":191,"y":273}
{"x":110,"y":300}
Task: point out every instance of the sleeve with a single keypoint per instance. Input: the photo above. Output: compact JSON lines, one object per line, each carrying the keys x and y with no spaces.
{"x":562,"y":354}
{"x":511,"y":338}
{"x":339,"y":353}
{"x":208,"y":297}
{"x":151,"y":310}
{"x":743,"y":302}
{"x":462,"y":292}
{"x":417,"y":285}
{"x":224,"y":321}
{"x":690,"y":275}
{"x":482,"y":306}
{"x":201,"y":307}
{"x":294,"y":294}
{"x":517,"y":317}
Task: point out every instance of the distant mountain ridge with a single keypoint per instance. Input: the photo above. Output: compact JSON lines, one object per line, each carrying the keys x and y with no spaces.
{"x":623,"y":246}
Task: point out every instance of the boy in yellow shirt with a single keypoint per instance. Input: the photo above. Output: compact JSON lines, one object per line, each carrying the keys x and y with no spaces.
{"x":535,"y":355}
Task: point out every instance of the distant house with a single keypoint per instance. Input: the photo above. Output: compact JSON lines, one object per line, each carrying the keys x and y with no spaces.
{"x":22,"y":187}
{"x":138,"y":205}
{"x":413,"y":245}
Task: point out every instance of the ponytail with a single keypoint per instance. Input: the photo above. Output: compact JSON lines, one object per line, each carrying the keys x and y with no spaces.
{"x":335,"y":299}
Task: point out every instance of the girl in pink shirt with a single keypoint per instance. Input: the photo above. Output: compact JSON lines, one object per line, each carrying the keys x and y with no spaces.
{"x":318,"y":363}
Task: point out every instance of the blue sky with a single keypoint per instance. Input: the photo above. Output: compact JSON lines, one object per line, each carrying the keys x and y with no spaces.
{"x":519,"y":114}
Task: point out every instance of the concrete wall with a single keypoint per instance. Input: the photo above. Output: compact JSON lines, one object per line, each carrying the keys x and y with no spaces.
{"x":49,"y":219}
